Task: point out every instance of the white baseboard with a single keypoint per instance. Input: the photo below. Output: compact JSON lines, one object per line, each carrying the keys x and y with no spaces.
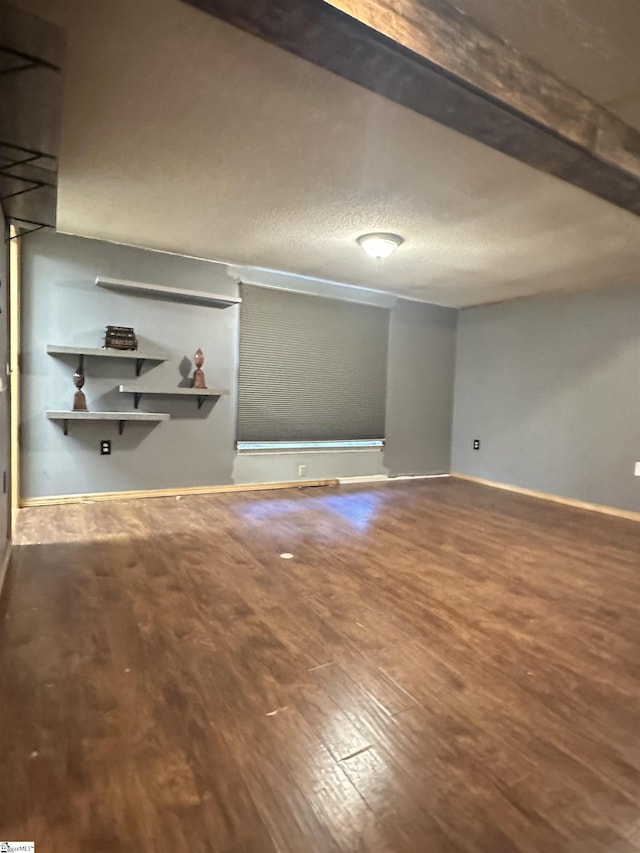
{"x":51,"y":500}
{"x":384,"y":478}
{"x":91,"y":497}
{"x":546,"y":496}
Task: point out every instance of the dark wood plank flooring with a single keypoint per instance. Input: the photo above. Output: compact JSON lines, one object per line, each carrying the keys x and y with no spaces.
{"x":440,"y":667}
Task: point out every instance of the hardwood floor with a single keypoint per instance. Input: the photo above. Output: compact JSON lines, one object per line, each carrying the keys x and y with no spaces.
{"x":439,"y":667}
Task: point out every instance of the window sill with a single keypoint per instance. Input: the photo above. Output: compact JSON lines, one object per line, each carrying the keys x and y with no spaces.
{"x":260,"y":448}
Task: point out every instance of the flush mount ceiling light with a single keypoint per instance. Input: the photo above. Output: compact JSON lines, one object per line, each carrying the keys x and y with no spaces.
{"x":380,"y":245}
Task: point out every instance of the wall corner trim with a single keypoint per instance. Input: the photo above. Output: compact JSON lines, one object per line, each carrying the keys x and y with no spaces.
{"x":545,"y":496}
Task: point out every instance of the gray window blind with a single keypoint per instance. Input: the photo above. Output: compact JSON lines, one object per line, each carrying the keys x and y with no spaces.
{"x":311,"y":369}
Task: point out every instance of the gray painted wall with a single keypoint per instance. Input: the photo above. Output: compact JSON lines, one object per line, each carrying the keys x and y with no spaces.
{"x":551,"y":387}
{"x":320,"y":465}
{"x":419,"y":407}
{"x":422,"y":351}
{"x":61,"y":305}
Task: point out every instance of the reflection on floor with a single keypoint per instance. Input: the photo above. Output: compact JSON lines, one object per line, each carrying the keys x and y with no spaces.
{"x":439,"y":667}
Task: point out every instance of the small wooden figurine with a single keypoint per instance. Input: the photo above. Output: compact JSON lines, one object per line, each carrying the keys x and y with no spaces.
{"x":79,"y":400}
{"x":198,"y":373}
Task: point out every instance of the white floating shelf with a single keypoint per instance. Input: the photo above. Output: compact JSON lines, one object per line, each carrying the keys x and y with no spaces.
{"x":200,"y":393}
{"x":121,"y":417}
{"x":174,"y":294}
{"x":139,"y":356}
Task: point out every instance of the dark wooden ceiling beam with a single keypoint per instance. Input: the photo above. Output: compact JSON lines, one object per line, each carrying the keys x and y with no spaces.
{"x":428,"y":57}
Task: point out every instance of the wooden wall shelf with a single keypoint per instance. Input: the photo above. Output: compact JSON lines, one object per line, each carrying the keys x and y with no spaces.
{"x":139,"y":356}
{"x":200,"y":393}
{"x":174,"y":294}
{"x":121,"y":417}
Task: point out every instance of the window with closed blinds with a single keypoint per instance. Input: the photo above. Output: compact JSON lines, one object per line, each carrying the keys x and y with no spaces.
{"x":311,"y":369}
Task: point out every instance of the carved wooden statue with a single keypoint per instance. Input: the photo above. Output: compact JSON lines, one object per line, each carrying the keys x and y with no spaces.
{"x":79,"y":400}
{"x":198,"y":373}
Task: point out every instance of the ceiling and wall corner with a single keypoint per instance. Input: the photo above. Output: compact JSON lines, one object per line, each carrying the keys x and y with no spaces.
{"x":182,"y":133}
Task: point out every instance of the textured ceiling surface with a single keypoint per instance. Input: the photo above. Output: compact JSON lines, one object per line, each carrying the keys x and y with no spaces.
{"x":594,"y":45}
{"x":184,"y":134}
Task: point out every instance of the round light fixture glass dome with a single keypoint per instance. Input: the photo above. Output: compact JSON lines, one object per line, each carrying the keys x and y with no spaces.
{"x":380,"y":245}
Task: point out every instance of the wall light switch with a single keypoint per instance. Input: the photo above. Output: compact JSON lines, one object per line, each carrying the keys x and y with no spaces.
{"x":105,"y":448}
{"x":476,"y":444}
{"x":637,"y":471}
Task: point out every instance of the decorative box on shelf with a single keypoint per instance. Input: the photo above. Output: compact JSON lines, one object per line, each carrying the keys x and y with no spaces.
{"x":120,"y":337}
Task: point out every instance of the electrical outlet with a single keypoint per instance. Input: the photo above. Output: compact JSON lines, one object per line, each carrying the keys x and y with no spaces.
{"x":637,"y":470}
{"x":476,"y":444}
{"x":302,"y":470}
{"x":105,"y":448}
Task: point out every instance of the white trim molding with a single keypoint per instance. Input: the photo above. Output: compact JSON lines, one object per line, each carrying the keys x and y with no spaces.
{"x":245,"y":447}
{"x":545,"y":496}
{"x":385,"y":478}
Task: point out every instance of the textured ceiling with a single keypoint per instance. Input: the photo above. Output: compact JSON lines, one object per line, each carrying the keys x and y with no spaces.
{"x":594,"y":45}
{"x":183,"y":134}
